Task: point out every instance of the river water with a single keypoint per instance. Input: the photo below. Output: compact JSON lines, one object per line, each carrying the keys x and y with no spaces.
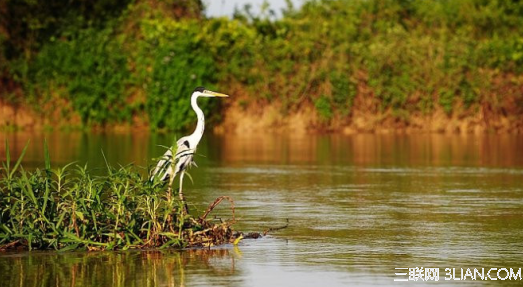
{"x":357,"y":208}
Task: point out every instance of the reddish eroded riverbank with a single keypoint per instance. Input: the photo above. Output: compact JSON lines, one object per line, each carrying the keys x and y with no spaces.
{"x":241,"y":118}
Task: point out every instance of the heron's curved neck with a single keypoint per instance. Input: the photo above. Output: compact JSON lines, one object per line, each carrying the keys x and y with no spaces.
{"x":200,"y":126}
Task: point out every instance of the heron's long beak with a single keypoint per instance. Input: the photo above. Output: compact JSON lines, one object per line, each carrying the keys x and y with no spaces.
{"x":215,"y":94}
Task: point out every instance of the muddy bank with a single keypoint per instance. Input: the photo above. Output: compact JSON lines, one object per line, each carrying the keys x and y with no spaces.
{"x":256,"y":118}
{"x":56,"y":114}
{"x":242,"y":118}
{"x":18,"y":117}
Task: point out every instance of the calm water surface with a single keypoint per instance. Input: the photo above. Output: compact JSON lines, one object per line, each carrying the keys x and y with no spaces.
{"x":357,"y":206}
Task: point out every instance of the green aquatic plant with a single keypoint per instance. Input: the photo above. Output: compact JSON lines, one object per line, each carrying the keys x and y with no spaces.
{"x":70,"y":208}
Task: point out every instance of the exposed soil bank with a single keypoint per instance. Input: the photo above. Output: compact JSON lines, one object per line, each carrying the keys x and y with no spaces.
{"x":56,"y":115}
{"x":241,"y":118}
{"x":12,"y":116}
{"x":364,"y":118}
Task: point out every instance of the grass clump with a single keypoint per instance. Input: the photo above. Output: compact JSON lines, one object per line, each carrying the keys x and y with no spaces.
{"x":70,"y":208}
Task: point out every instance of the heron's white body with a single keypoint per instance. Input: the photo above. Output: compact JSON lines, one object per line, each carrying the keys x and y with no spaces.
{"x":186,"y":146}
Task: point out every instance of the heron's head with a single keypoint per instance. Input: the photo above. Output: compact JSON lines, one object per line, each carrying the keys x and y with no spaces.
{"x":202,"y":92}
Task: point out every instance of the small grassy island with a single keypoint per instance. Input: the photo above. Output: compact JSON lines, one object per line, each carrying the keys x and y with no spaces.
{"x":69,"y":208}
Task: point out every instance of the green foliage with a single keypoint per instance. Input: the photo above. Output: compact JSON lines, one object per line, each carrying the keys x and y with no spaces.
{"x":446,"y":100}
{"x":30,"y":24}
{"x":323,"y":106}
{"x":179,"y":62}
{"x":343,"y":91}
{"x":92,"y":68}
{"x":68,"y":208}
{"x":415,"y":55}
{"x":144,"y":60}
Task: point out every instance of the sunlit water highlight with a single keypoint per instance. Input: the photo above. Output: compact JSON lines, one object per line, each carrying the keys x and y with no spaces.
{"x":357,"y":207}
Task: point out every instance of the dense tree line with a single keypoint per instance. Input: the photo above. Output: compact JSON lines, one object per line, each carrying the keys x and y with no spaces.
{"x":113,"y":60}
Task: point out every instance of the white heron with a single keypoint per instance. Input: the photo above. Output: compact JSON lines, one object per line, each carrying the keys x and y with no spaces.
{"x":168,"y":167}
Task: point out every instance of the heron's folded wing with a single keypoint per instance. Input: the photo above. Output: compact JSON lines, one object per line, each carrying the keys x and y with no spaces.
{"x":164,"y":166}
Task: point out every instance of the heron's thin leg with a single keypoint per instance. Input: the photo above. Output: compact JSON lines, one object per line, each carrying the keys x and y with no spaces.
{"x":181,"y":182}
{"x":182,"y":198}
{"x":171,"y":179}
